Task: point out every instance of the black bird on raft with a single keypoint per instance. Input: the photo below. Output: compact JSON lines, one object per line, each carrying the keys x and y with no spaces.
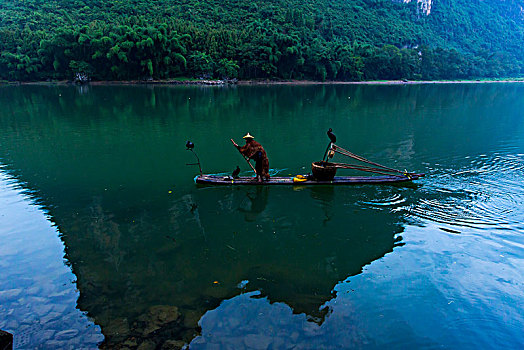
{"x":331,"y":136}
{"x":189,"y":145}
{"x":236,"y":172}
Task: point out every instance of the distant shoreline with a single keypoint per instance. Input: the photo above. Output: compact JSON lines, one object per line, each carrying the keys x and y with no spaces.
{"x":267,"y":82}
{"x":378,"y":82}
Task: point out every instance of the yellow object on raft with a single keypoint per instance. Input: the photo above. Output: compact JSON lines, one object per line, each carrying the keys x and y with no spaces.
{"x":299,"y":178}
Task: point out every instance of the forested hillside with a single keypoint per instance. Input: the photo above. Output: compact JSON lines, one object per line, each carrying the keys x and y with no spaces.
{"x":246,"y":39}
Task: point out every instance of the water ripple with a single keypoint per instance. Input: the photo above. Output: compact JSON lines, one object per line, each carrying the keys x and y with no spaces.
{"x":487,"y":193}
{"x":394,"y":199}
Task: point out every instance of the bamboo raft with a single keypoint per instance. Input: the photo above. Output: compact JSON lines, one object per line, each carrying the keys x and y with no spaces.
{"x":289,"y":180}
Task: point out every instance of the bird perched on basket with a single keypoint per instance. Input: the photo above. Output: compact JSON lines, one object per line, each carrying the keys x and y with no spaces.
{"x":190,"y":145}
{"x":331,"y":136}
{"x":236,"y":172}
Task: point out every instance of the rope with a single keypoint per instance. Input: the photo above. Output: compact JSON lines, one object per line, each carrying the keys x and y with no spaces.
{"x":364,"y":168}
{"x":379,"y":168}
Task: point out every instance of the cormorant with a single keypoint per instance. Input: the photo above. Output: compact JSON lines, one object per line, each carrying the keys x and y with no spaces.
{"x":332,"y":136}
{"x":189,"y":145}
{"x":236,"y":172}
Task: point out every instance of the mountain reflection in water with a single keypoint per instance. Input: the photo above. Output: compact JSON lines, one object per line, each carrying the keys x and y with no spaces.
{"x":136,"y":264}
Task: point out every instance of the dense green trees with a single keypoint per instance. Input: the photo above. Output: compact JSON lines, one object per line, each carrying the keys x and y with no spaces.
{"x":289,"y":39}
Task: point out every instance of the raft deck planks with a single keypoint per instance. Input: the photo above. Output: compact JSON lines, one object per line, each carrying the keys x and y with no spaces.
{"x":288,"y":180}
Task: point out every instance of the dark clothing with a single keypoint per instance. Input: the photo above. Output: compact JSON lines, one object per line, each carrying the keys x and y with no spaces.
{"x":254,"y":150}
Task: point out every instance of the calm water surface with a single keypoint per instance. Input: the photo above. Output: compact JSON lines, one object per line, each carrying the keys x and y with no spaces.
{"x":107,"y":241}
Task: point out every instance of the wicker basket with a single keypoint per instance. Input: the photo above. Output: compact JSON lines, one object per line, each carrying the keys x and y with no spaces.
{"x":323,"y":171}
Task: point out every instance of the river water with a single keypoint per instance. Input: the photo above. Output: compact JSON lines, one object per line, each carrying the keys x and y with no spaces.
{"x":108,"y":242}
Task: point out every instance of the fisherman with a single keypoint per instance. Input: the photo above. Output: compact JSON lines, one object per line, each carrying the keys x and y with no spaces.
{"x":254,"y":150}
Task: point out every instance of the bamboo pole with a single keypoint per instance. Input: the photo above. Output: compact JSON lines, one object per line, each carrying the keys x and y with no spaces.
{"x":247,"y":160}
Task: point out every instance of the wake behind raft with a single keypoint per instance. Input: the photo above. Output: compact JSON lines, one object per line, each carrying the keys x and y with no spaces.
{"x":322,"y":172}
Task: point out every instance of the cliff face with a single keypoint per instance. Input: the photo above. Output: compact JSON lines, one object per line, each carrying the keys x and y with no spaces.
{"x":425,"y":6}
{"x":515,"y":7}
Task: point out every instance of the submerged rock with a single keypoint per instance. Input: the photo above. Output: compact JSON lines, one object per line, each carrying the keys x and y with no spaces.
{"x":158,"y":316}
{"x":173,"y":345}
{"x":67,"y":334}
{"x":130,"y":343}
{"x":10,"y":294}
{"x":52,"y":316}
{"x":160,"y":327}
{"x":257,"y":341}
{"x":147,"y":345}
{"x":118,"y":328}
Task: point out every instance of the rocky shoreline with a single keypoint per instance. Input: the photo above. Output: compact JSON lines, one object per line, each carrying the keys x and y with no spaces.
{"x":126,"y":82}
{"x":209,"y":82}
{"x":376,"y":82}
